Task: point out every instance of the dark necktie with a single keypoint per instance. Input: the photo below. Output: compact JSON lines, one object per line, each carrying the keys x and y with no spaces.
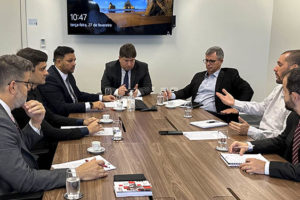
{"x":296,"y":144}
{"x":75,"y":100}
{"x":126,"y":80}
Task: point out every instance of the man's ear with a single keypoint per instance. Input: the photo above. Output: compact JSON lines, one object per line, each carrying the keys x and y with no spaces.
{"x":11,"y":87}
{"x":295,"y":97}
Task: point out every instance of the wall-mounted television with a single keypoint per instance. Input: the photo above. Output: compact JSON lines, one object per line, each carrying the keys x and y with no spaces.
{"x":120,"y":17}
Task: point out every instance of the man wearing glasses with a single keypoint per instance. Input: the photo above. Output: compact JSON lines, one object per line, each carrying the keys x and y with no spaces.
{"x":204,"y":85}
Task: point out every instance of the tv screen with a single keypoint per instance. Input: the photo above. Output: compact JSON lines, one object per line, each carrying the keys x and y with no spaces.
{"x":120,"y":17}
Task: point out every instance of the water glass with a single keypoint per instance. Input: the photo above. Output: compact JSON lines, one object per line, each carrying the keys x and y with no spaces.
{"x":222,"y":140}
{"x":188,"y":109}
{"x":117,"y":130}
{"x":108,"y":91}
{"x":130,"y":104}
{"x":72,"y":185}
{"x":160,"y":99}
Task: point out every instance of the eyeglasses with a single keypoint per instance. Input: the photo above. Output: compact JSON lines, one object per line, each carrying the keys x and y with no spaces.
{"x":209,"y":61}
{"x":27,"y":83}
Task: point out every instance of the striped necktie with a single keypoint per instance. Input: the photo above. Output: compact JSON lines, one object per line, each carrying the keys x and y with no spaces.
{"x":296,"y":144}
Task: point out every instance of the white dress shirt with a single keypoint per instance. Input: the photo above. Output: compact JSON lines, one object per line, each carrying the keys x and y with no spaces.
{"x":273,"y":111}
{"x":129,"y":82}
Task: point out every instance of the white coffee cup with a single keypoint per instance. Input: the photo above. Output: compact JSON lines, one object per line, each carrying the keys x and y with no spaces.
{"x":96,"y":145}
{"x":105,"y":117}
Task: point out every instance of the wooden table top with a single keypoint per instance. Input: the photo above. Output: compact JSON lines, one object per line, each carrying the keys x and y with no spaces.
{"x":176,"y":167}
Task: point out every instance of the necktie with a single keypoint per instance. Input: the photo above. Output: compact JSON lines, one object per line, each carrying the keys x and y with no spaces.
{"x":71,"y":91}
{"x":126,"y":81}
{"x":296,"y":144}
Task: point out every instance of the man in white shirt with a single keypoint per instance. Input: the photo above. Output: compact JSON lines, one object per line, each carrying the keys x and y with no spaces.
{"x":272,"y":109}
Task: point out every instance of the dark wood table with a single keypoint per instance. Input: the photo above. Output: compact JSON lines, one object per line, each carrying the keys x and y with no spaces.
{"x":176,"y":167}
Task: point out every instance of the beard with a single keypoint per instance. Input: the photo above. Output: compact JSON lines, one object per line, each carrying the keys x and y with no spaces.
{"x":289,"y":105}
{"x":20,"y":100}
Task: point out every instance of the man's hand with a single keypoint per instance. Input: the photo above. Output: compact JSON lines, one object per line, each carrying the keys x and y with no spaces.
{"x":87,"y":121}
{"x":227,"y":99}
{"x":167,"y":94}
{"x":230,"y":111}
{"x":108,"y":98}
{"x":36,"y":111}
{"x":242,"y":127}
{"x":253,"y":165}
{"x":122,"y":90}
{"x":98,"y":105}
{"x":91,"y":170}
{"x":136,"y":90}
{"x":238,"y":147}
{"x":94,"y":127}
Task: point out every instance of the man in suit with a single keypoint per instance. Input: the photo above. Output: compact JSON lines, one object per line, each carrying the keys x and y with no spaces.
{"x":18,"y":168}
{"x":272,"y":109}
{"x":52,"y":122}
{"x":61,"y":94}
{"x":126,"y":74}
{"x":204,"y":85}
{"x":286,"y":145}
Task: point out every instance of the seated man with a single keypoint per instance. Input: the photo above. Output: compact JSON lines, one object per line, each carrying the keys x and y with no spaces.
{"x":204,"y":85}
{"x":127,"y":74}
{"x":286,"y":144}
{"x":52,"y":122}
{"x":18,"y":167}
{"x":272,"y":109}
{"x":61,"y":94}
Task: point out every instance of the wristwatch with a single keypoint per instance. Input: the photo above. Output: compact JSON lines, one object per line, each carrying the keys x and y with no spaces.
{"x":91,"y":104}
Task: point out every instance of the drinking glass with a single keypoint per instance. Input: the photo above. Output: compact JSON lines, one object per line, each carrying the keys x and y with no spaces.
{"x":188,"y":109}
{"x":117,"y":130}
{"x":160,"y":99}
{"x":108,"y":91}
{"x":222,"y":140}
{"x":72,"y":185}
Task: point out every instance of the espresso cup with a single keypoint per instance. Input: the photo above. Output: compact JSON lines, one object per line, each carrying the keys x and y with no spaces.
{"x":105,"y":117}
{"x":96,"y":145}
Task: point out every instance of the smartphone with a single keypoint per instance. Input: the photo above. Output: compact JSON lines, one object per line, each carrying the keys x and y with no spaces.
{"x":170,"y":132}
{"x":196,"y":105}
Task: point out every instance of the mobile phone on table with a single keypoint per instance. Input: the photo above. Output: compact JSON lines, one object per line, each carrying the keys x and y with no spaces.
{"x":170,"y":132}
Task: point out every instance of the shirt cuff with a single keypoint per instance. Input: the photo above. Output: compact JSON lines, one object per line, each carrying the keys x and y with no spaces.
{"x":79,"y":122}
{"x":267,"y":168}
{"x":84,"y":131}
{"x":173,"y":96}
{"x":34,"y":128}
{"x":100,"y":97}
{"x":139,"y":94}
{"x":87,"y":106}
{"x":237,"y":104}
{"x":116,"y":92}
{"x":250,"y":147}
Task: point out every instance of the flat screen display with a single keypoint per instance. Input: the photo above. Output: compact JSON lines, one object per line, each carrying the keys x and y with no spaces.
{"x":120,"y":17}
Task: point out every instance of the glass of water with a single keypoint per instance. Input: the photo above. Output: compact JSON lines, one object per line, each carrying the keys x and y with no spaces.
{"x":160,"y":99}
{"x":117,"y":130}
{"x":222,"y":140}
{"x":108,"y":91}
{"x":188,"y":109}
{"x":72,"y":185}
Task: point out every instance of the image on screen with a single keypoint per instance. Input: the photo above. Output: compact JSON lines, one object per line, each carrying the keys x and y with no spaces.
{"x":120,"y":17}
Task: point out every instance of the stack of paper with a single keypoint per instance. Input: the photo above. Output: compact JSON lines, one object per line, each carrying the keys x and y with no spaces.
{"x":208,"y":123}
{"x":203,"y":135}
{"x":177,"y":102}
{"x":235,"y":160}
{"x":77,"y":163}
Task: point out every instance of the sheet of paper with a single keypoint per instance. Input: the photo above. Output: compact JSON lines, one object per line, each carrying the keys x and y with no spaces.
{"x":113,"y":103}
{"x":105,"y":132}
{"x":177,"y":102}
{"x":203,"y":135}
{"x":77,"y":163}
{"x":208,"y":123}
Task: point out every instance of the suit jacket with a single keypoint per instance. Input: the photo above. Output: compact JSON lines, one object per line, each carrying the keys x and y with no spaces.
{"x":139,"y":75}
{"x":18,"y":167}
{"x":228,"y":79}
{"x":56,"y":95}
{"x":282,"y":145}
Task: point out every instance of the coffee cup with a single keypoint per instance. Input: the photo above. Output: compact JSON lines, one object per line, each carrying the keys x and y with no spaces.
{"x":105,"y":117}
{"x":96,"y":145}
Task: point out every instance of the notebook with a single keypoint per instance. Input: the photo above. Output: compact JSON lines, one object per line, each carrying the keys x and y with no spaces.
{"x":235,"y":160}
{"x":208,"y":123}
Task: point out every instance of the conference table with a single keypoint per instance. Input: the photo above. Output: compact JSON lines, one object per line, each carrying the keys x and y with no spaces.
{"x":177,"y":168}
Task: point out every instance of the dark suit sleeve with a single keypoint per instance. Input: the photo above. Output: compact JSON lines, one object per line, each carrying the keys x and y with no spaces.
{"x":55,"y":98}
{"x":58,"y":120}
{"x":285,"y":170}
{"x":188,"y":90}
{"x":243,"y":90}
{"x":145,"y":85}
{"x":109,"y":78}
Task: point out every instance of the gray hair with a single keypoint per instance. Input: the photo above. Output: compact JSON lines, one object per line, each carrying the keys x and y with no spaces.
{"x":218,"y":50}
{"x":13,"y":67}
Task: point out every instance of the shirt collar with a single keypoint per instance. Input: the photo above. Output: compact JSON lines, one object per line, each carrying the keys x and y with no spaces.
{"x":63,"y":75}
{"x":216,"y":74}
{"x":6,"y":107}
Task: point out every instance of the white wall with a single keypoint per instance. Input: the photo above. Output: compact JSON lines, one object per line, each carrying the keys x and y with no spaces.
{"x":285,"y":33}
{"x":241,"y":28}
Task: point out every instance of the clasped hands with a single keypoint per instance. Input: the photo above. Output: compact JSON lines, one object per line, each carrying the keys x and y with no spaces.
{"x":122,"y":90}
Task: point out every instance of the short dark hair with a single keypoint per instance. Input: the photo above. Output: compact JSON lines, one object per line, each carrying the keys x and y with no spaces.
{"x":13,"y":67}
{"x":61,"y":51}
{"x":293,"y":57}
{"x":218,"y":50}
{"x":33,"y":55}
{"x":293,"y":80}
{"x":127,"y":51}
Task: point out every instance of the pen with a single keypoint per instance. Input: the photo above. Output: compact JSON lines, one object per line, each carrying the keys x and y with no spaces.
{"x":238,"y":147}
{"x":103,"y":165}
{"x":212,"y":121}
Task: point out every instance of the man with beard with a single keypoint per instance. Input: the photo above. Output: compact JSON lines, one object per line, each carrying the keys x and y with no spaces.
{"x":286,"y":145}
{"x":272,"y":109}
{"x":18,"y":168}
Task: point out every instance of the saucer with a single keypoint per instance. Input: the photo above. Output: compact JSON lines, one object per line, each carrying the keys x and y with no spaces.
{"x":106,"y":121}
{"x":91,"y":150}
{"x":119,"y":109}
{"x":168,"y":106}
{"x":80,"y":196}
